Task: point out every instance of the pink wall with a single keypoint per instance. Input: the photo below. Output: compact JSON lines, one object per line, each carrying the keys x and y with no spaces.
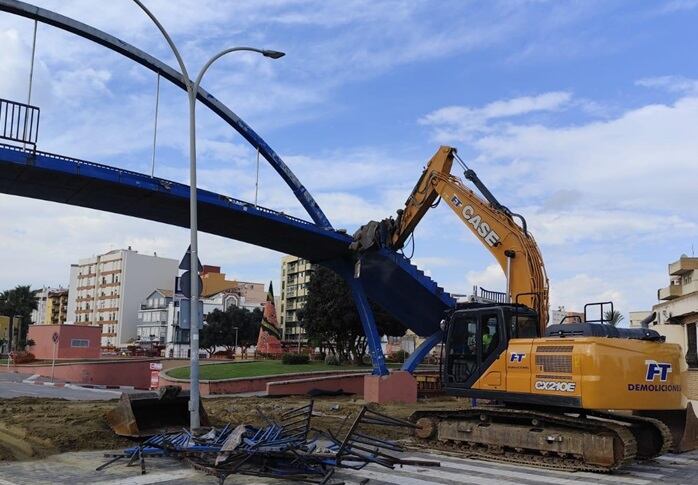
{"x":43,"y":348}
{"x":353,"y":383}
{"x":134,"y":373}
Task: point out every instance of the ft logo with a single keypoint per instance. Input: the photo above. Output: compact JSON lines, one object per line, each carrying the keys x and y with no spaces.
{"x":518,"y":358}
{"x":655,"y":369}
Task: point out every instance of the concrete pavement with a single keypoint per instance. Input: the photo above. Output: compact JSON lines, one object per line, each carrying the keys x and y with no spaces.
{"x":79,"y":469}
{"x":11,"y":385}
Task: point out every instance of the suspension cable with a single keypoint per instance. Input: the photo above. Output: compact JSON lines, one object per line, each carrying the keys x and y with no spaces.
{"x":256,"y":184}
{"x":155,"y":127}
{"x":31,"y":82}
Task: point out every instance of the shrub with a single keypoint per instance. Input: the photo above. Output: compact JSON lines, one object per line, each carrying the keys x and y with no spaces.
{"x":24,"y":357}
{"x":332,"y":359}
{"x":398,"y":356}
{"x":294,"y":359}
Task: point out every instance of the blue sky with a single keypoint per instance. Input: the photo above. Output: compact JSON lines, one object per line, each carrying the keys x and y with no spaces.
{"x":579,"y":114}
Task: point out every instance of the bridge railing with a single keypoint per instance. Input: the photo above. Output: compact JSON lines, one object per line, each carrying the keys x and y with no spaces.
{"x":19,"y":122}
{"x":168,"y":184}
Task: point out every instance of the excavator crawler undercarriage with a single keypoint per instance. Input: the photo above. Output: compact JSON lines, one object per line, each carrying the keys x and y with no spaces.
{"x":599,"y":442}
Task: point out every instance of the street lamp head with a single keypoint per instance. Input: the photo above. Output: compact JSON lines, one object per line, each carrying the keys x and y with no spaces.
{"x":273,"y":54}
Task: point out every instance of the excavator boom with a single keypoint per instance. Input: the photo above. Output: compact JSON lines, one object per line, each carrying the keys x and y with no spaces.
{"x":492,"y":223}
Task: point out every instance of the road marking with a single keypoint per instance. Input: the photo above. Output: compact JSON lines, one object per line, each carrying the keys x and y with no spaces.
{"x":389,"y":478}
{"x":556,"y":475}
{"x":5,"y":482}
{"x":511,"y":474}
{"x":152,"y":478}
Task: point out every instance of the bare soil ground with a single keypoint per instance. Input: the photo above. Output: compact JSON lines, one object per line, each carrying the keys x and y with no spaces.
{"x":34,"y":428}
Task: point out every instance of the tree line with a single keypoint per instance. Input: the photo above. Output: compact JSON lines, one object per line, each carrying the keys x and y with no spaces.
{"x":331,"y":321}
{"x":19,"y":302}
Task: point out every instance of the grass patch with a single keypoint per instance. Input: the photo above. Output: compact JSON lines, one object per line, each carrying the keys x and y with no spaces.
{"x":215,"y":372}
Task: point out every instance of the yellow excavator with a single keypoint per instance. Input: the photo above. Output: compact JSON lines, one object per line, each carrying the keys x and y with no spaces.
{"x":580,"y":395}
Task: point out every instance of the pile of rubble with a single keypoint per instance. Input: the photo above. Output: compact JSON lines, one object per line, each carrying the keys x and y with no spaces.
{"x":286,"y":447}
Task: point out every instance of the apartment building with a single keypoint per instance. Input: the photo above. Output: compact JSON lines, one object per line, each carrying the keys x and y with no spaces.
{"x":217,"y":293}
{"x":52,"y":306}
{"x":677,"y":310}
{"x":152,"y":318}
{"x":295,"y":274}
{"x":108,"y":290}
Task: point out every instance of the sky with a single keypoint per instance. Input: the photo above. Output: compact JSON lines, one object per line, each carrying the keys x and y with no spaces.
{"x":580,"y":115}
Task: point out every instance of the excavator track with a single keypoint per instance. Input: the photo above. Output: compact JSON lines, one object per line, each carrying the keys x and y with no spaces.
{"x":535,"y":438}
{"x":654,"y":438}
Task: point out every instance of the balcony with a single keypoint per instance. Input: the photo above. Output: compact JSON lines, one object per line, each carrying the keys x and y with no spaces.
{"x":669,"y":293}
{"x":683,"y":266}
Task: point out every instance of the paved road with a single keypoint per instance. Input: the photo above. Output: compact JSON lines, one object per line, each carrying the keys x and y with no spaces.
{"x":78,"y":469}
{"x":11,"y":385}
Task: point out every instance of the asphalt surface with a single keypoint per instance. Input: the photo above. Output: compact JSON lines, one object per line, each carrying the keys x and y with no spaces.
{"x":79,"y":469}
{"x":11,"y":385}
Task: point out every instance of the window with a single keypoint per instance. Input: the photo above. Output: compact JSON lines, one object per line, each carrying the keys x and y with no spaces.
{"x":77,"y":342}
{"x":490,"y":336}
{"x":462,"y":358}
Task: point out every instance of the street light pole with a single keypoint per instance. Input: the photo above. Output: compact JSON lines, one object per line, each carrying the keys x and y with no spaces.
{"x":192,"y":92}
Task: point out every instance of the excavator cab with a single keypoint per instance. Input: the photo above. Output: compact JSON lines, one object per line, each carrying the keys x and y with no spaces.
{"x":476,"y":334}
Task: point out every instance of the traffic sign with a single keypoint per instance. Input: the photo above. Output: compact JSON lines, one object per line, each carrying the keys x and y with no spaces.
{"x":185,"y":284}
{"x":185,"y":264}
{"x":185,"y":312}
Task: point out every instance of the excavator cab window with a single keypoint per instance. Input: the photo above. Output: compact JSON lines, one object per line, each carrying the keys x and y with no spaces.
{"x":462,"y":348}
{"x":474,"y":340}
{"x":524,"y":326}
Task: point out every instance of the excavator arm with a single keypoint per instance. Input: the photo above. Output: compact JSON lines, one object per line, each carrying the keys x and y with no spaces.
{"x":492,"y":223}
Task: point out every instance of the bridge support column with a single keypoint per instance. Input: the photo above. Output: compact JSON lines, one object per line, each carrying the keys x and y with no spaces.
{"x":368,"y":323}
{"x":420,"y":352}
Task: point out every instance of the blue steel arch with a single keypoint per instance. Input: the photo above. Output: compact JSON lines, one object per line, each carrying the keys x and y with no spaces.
{"x":175,"y":77}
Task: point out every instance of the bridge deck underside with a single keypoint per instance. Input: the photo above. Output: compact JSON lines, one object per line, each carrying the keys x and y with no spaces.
{"x":388,"y":278}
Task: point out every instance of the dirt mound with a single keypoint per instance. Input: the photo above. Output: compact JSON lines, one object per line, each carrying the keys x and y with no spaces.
{"x":37,"y":427}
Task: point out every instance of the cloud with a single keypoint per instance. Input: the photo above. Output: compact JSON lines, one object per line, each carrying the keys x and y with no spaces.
{"x":573,"y":293}
{"x":606,"y":198}
{"x":674,"y":84}
{"x":602,"y":162}
{"x":464,"y":122}
{"x":490,"y":278}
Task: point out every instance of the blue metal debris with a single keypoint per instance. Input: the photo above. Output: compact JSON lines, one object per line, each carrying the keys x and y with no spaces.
{"x":286,"y":447}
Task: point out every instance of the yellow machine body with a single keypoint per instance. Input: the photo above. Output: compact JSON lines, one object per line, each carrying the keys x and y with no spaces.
{"x":603,"y":373}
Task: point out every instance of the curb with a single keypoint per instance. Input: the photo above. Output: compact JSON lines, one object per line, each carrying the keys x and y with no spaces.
{"x":91,"y":389}
{"x":85,"y":387}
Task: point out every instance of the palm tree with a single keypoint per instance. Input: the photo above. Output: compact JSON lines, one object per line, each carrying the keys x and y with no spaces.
{"x":612,"y":317}
{"x":19,"y":302}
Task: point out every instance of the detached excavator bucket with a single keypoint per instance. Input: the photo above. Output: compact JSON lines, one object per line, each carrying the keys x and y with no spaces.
{"x":683,"y":426}
{"x":146,"y":414}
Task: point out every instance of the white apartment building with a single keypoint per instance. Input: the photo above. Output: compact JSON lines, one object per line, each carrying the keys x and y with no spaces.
{"x":676,"y":315}
{"x":108,"y":290}
{"x":295,"y":275}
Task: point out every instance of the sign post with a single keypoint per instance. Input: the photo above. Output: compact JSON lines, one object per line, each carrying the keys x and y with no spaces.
{"x":193,"y":291}
{"x":55,"y":337}
{"x":155,"y":368}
